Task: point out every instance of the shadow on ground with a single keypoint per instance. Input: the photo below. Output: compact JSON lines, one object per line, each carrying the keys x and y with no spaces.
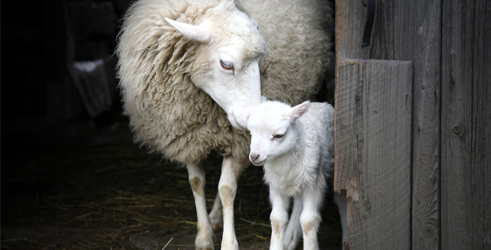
{"x":87,"y":186}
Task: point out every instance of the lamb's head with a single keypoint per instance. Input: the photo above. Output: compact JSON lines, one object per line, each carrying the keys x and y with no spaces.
{"x":273,"y":130}
{"x":226,"y":61}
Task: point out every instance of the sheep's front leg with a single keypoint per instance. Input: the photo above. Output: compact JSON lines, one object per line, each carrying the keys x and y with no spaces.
{"x":278,"y":217}
{"x":310,"y":217}
{"x":294,"y":230}
{"x":227,"y":188}
{"x":204,"y":237}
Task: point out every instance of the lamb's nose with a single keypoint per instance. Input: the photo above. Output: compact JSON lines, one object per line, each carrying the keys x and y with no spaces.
{"x":254,"y":157}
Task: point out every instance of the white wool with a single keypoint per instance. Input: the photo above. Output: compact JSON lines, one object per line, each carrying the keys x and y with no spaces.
{"x":296,"y":147}
{"x":308,"y":156}
{"x":174,"y":86}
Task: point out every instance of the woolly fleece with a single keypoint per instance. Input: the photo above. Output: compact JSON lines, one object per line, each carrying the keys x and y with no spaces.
{"x":170,"y":115}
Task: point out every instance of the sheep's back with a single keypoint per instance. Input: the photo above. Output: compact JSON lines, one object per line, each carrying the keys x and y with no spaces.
{"x":298,"y":35}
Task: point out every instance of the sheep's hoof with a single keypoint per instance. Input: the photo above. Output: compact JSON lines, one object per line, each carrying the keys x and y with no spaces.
{"x":204,"y":248}
{"x":204,"y":241}
{"x":216,"y":218}
{"x":216,"y":227}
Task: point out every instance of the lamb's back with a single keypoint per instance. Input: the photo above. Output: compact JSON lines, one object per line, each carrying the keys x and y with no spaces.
{"x":318,"y":129}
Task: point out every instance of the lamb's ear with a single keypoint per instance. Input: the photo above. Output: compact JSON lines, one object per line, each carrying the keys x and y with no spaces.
{"x":263,"y":99}
{"x":255,"y":23}
{"x":195,"y":32}
{"x":299,"y":110}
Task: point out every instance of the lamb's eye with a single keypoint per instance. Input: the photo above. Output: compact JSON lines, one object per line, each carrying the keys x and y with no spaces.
{"x":227,"y":65}
{"x":278,"y":136}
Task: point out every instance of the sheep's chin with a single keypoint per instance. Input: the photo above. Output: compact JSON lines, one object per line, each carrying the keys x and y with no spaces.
{"x":234,"y":122}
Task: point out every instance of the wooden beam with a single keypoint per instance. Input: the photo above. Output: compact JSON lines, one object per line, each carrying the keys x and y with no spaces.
{"x":373,"y":151}
{"x":466,"y":125}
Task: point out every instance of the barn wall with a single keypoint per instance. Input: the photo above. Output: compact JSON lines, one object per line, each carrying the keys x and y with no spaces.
{"x":466,"y":125}
{"x":448,"y":43}
{"x":373,"y":151}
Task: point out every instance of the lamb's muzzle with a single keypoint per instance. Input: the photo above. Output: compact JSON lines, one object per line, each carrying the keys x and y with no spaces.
{"x":257,"y":159}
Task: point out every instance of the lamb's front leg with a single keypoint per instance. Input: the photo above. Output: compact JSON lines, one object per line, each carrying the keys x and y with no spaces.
{"x":279,"y":218}
{"x":204,"y":237}
{"x":310,"y":217}
{"x":227,"y":188}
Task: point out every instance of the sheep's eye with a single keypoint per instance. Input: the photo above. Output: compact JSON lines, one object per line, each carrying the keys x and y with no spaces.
{"x":279,"y":136}
{"x":227,"y":65}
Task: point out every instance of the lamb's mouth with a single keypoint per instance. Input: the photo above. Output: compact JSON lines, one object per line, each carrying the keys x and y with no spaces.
{"x":259,"y":164}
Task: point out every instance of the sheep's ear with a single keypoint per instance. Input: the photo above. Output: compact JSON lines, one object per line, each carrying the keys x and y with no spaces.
{"x":195,"y":32}
{"x":299,"y":110}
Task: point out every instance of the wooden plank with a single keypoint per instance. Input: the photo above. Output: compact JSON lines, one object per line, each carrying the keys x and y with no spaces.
{"x":373,"y":151}
{"x":407,"y":31}
{"x":349,"y":19}
{"x":466,"y":125}
{"x":426,"y":50}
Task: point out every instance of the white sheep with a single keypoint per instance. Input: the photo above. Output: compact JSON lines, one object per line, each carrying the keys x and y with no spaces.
{"x":296,"y":148}
{"x":190,"y":75}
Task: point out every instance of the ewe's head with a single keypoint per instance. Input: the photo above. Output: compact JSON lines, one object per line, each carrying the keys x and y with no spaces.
{"x":226,"y":63}
{"x":273,"y":130}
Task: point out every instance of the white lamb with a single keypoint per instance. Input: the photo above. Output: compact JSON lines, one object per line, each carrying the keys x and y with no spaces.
{"x":296,"y":148}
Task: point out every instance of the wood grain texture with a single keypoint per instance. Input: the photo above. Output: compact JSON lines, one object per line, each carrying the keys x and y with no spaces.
{"x":373,"y":151}
{"x":466,"y":125}
{"x":425,"y":45}
{"x":407,"y":31}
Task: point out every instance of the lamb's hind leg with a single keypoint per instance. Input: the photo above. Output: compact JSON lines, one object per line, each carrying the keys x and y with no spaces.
{"x":340,"y":200}
{"x":227,"y":188}
{"x":294,"y":230}
{"x":204,"y":237}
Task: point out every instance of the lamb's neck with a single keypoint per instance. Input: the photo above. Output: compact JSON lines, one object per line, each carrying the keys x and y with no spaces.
{"x":286,"y":172}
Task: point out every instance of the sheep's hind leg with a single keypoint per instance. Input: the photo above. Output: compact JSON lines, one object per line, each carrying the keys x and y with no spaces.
{"x":204,"y":237}
{"x":227,"y":188}
{"x":216,"y":215}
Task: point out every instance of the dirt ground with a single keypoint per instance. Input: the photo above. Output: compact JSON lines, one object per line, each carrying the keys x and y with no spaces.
{"x":87,"y":186}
